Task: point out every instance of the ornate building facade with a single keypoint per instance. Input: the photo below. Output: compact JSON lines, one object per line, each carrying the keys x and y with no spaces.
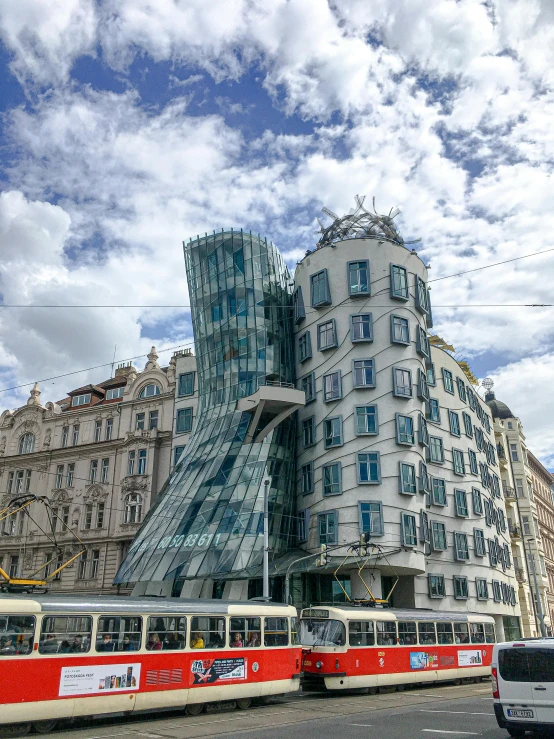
{"x":100,"y":456}
{"x":543,"y":489}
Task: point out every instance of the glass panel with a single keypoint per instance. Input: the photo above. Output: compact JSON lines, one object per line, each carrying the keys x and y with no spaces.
{"x":322,"y":633}
{"x":426,"y":631}
{"x":118,"y":633}
{"x":513,"y":665}
{"x":386,"y":633}
{"x":244,"y":632}
{"x":361,"y":633}
{"x":16,"y":635}
{"x":477,"y":633}
{"x":444,"y":633}
{"x":407,"y":632}
{"x":461,"y":633}
{"x":165,"y":632}
{"x":65,"y":634}
{"x":276,"y":632}
{"x":207,"y":632}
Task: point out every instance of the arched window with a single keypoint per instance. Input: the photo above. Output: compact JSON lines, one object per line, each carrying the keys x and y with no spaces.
{"x":133,"y":508}
{"x":27,"y":444}
{"x":148,"y":391}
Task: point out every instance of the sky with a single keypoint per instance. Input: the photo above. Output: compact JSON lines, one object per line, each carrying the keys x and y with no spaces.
{"x":128,"y":126}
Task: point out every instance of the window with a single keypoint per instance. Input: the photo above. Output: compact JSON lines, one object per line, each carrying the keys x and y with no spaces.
{"x":299,"y":311}
{"x":97,"y":430}
{"x":94,"y":564}
{"x":149,"y":391}
{"x":332,"y":387}
{"x":358,"y":278}
{"x":139,"y":421}
{"x":422,"y":389}
{"x":400,"y":330}
{"x":58,"y":631}
{"x":407,"y":479}
{"x":303,"y":525}
{"x":104,"y":471}
{"x":361,"y":327}
{"x":401,"y":382}
{"x":407,"y":632}
{"x":477,"y":502}
{"x":461,"y":550}
{"x":326,"y":335}
{"x":472,"y":462}
{"x":479,"y":546}
{"x":460,"y":502}
{"x":399,"y":282}
{"x":422,"y":431}
{"x":307,"y":478}
{"x":496,"y":592}
{"x":386,"y":633}
{"x":168,"y":633}
{"x":177,"y":453}
{"x":65,"y":436}
{"x":460,"y":587}
{"x":247,"y":632}
{"x":454,"y":421}
{"x":133,"y":508}
{"x":408,"y":531}
{"x":479,"y":438}
{"x":424,"y":480}
{"x":131,"y":463}
{"x":436,"y":450}
{"x":369,"y":467}
{"x":371,"y":517}
{"x":431,"y":377}
{"x":141,"y":467}
{"x":461,"y":389}
{"x":433,"y":410}
{"x":10,"y":482}
{"x":307,"y":384}
{"x":458,"y":462}
{"x":109,"y":429}
{"x":115,"y":392}
{"x":59,"y":476}
{"x":93,"y":470}
{"x":361,"y":633}
{"x":363,"y":371}
{"x":519,"y":488}
{"x":438,"y":536}
{"x":332,"y":432}
{"x":304,"y":347}
{"x":482,"y":590}
{"x":422,"y":303}
{"x":27,"y":444}
{"x":70,"y":474}
{"x":184,"y":421}
{"x":118,"y":633}
{"x":367,"y":422}
{"x":319,"y":289}
{"x":88,"y":517}
{"x":404,"y":430}
{"x":513,"y":452}
{"x":327,"y":527}
{"x":448,"y":381}
{"x":439,"y":491}
{"x":444,"y":632}
{"x":14,"y":565}
{"x":468,"y":426}
{"x":186,"y":384}
{"x":422,"y":342}
{"x":332,"y":479}
{"x":276,"y":632}
{"x":75,"y":439}
{"x":80,"y":400}
{"x":207,"y":632}
{"x":308,"y":432}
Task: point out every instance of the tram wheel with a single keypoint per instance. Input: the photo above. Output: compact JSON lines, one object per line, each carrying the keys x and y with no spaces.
{"x":243,"y":703}
{"x":373,"y":690}
{"x":195,"y":709}
{"x":400,"y":688}
{"x":45,"y":727}
{"x":9,"y":730}
{"x":457,"y":681}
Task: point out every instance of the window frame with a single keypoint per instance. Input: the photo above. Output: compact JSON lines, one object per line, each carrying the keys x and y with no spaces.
{"x":309,"y":488}
{"x":325,"y":297}
{"x":460,"y":593}
{"x":406,"y":321}
{"x":181,"y":383}
{"x":304,"y":347}
{"x":481,"y":549}
{"x":430,"y":457}
{"x":330,"y":420}
{"x":461,"y":503}
{"x":379,"y":513}
{"x":363,"y":369}
{"x":337,"y":397}
{"x":363,"y":339}
{"x":334,"y":343}
{"x":401,"y":480}
{"x":326,"y":515}
{"x":444,"y":541}
{"x":457,"y":549}
{"x":455,"y":456}
{"x":358,"y":293}
{"x":335,"y":464}
{"x":397,"y":420}
{"x":440,"y":590}
{"x":444,"y":500}
{"x":447,"y":385}
{"x":377,"y":462}
{"x":404,"y":293}
{"x":375,"y":418}
{"x":395,"y":385}
{"x":454,"y":423}
{"x":404,"y":517}
{"x":308,"y":381}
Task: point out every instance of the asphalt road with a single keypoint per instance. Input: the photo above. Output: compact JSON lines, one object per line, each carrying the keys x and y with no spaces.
{"x":442,"y":712}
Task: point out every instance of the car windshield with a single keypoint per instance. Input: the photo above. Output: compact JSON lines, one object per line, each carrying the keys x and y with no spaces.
{"x":322,"y":633}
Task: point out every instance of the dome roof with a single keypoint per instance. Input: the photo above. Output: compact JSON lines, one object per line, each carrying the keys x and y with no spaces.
{"x":498,"y":408}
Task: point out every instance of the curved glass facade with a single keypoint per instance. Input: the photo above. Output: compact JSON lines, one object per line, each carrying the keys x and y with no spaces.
{"x":208,"y":520}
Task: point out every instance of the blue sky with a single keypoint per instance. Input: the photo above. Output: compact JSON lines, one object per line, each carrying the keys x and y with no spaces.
{"x":128,"y":126}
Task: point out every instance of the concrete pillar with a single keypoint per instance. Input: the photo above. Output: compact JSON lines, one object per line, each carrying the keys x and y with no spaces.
{"x":499,"y":626}
{"x":236,"y":590}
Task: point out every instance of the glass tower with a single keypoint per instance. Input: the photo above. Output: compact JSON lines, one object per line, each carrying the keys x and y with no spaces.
{"x":208,"y":520}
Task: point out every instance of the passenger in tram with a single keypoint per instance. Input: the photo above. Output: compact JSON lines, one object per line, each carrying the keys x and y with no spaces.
{"x":173,"y":641}
{"x":65,"y":647}
{"x":7,"y":646}
{"x":49,"y":645}
{"x":154,"y":643}
{"x":128,"y":645}
{"x":77,"y":644}
{"x":106,"y":645}
{"x":253,"y":639}
{"x":237,"y":641}
{"x":462,"y":638}
{"x":216,"y":642}
{"x":196,"y":640}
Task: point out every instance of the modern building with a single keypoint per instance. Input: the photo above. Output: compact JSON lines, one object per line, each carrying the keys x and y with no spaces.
{"x":186,"y":402}
{"x":204,"y":537}
{"x":542,"y":482}
{"x":100,"y":456}
{"x":523,"y":521}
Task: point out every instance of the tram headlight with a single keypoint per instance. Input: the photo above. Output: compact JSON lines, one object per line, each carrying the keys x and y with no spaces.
{"x":319,"y":665}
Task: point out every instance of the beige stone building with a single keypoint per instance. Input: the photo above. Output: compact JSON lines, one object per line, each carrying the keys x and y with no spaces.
{"x":542,"y":485}
{"x":100,"y":456}
{"x":523,"y":517}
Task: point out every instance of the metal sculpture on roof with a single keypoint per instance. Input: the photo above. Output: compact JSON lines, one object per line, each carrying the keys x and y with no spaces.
{"x":360,"y":223}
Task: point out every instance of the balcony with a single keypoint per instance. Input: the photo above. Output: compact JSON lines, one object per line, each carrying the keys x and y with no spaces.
{"x":269,"y":405}
{"x":509,"y":493}
{"x":515,"y":532}
{"x":520,"y":575}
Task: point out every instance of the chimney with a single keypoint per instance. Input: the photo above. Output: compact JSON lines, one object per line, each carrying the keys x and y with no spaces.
{"x":123,"y":369}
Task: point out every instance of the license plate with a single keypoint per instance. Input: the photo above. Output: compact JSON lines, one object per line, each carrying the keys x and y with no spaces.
{"x":514,"y":713}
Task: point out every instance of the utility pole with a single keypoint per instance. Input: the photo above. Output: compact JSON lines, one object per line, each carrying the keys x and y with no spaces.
{"x":266,"y":538}
{"x":537,"y":594}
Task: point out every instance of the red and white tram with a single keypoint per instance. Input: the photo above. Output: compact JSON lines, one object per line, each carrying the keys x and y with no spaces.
{"x":354,"y":647}
{"x":62,"y":657}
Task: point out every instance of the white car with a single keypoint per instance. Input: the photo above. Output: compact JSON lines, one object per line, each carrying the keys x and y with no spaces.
{"x":523,"y":685}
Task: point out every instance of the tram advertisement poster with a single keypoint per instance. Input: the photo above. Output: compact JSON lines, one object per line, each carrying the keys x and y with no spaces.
{"x":84,"y":680}
{"x":469,"y":657}
{"x":423,"y":661}
{"x":206,"y":671}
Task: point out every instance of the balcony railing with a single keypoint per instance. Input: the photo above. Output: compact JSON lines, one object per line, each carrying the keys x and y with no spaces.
{"x":509,"y":492}
{"x":520,"y":575}
{"x":515,"y":532}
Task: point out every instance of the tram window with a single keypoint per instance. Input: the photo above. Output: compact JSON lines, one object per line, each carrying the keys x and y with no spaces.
{"x":444,"y":633}
{"x":461,"y":633}
{"x":276,"y":632}
{"x":407,"y":632}
{"x":245,"y":632}
{"x":322,"y":633}
{"x":294,"y":631}
{"x":489,"y":634}
{"x":427,"y":632}
{"x":207,"y":632}
{"x":65,"y":634}
{"x":166,"y":632}
{"x":16,"y":635}
{"x":119,"y":633}
{"x":386,"y":633}
{"x":477,"y":633}
{"x":361,"y":633}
